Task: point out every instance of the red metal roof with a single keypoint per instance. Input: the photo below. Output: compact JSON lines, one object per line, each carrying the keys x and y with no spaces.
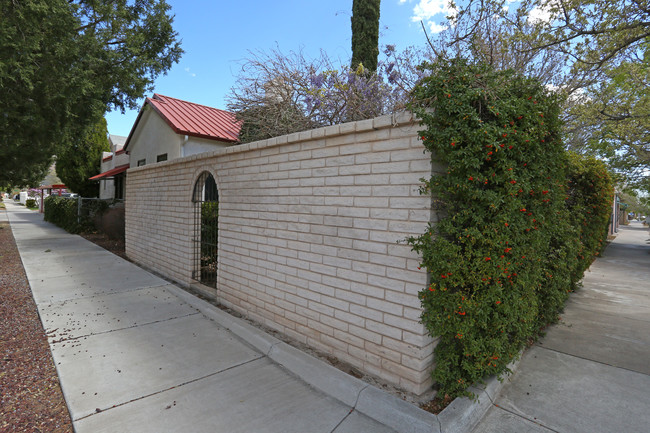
{"x":196,"y":120}
{"x":111,"y":172}
{"x":192,"y":119}
{"x":109,"y":157}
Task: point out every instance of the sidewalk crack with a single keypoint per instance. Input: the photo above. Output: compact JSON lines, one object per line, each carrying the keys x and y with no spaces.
{"x":352,"y":409}
{"x":527,"y":419}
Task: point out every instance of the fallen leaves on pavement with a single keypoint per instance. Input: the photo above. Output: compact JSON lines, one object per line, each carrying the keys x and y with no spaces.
{"x":30,"y":395}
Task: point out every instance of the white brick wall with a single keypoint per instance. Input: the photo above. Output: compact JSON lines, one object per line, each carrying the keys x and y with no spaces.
{"x":309,"y":226}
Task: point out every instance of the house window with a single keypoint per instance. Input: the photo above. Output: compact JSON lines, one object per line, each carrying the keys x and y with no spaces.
{"x":141,"y":162}
{"x":161,"y":158}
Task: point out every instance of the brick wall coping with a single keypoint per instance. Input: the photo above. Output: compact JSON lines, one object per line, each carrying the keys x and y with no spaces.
{"x":401,"y":118}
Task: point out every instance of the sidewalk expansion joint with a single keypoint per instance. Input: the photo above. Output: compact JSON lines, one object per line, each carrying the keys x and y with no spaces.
{"x":592,"y":360}
{"x":108,"y":292}
{"x":65,"y":301}
{"x":137,"y":325}
{"x":170,"y":388}
{"x":618,"y":316}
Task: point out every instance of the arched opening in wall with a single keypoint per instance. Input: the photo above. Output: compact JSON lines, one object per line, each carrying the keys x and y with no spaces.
{"x":206,"y":229}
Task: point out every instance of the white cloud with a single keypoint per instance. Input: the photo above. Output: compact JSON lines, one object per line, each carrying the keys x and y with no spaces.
{"x":192,"y":74}
{"x":435,"y":27}
{"x":543,"y":13}
{"x":426,"y":9}
{"x":539,"y":15}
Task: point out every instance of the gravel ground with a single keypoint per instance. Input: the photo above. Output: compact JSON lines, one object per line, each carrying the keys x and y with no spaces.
{"x":30,"y":395}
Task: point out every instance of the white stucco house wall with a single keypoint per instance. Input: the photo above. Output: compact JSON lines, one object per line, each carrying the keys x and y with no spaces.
{"x":169,"y":128}
{"x":113,"y":167}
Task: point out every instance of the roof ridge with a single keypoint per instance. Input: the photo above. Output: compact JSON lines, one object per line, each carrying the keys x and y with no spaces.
{"x":190,"y":102}
{"x":190,"y":118}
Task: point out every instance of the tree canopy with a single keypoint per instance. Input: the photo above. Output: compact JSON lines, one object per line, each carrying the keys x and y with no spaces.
{"x":64,"y":63}
{"x":81,"y":159}
{"x":590,"y":33}
{"x":277,"y":93}
{"x":611,"y":120}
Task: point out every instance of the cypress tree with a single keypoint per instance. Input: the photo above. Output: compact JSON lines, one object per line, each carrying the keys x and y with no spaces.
{"x":365,"y":33}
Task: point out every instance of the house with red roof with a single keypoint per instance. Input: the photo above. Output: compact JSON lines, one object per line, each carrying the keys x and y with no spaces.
{"x":166,"y":128}
{"x":169,"y":128}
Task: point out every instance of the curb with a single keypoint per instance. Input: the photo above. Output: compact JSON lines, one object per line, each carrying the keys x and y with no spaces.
{"x":461,"y":416}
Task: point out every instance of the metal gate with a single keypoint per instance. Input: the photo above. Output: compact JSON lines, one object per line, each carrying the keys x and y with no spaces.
{"x":206,"y":229}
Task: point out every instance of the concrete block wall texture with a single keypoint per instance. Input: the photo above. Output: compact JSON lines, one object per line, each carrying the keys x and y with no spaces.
{"x":310,"y":226}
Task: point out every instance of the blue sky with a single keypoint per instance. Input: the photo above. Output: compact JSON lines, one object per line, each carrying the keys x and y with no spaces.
{"x":217,"y":35}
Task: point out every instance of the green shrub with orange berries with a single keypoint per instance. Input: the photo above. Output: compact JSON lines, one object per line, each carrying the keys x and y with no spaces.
{"x":508,"y":243}
{"x":590,"y":199}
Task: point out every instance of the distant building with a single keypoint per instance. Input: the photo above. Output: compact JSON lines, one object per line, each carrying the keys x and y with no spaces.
{"x":113,"y":169}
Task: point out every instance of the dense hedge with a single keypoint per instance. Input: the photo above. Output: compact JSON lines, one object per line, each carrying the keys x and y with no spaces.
{"x":64,"y":212}
{"x":590,"y":201}
{"x":506,"y":250}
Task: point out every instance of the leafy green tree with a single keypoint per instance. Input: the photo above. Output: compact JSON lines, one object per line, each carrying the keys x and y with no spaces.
{"x":35,"y":45}
{"x":365,"y":34}
{"x":611,"y":120}
{"x":64,"y":63}
{"x":595,"y":51}
{"x":81,"y":159}
{"x":635,"y":203}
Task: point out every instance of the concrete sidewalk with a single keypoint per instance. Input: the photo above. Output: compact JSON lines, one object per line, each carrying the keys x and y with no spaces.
{"x":591,"y":372}
{"x":135,"y":353}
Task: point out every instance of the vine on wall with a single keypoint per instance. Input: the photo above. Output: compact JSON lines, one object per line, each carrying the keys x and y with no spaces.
{"x":507,"y":248}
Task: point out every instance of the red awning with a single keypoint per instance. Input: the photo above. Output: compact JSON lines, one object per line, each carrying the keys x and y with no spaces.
{"x":112,"y":172}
